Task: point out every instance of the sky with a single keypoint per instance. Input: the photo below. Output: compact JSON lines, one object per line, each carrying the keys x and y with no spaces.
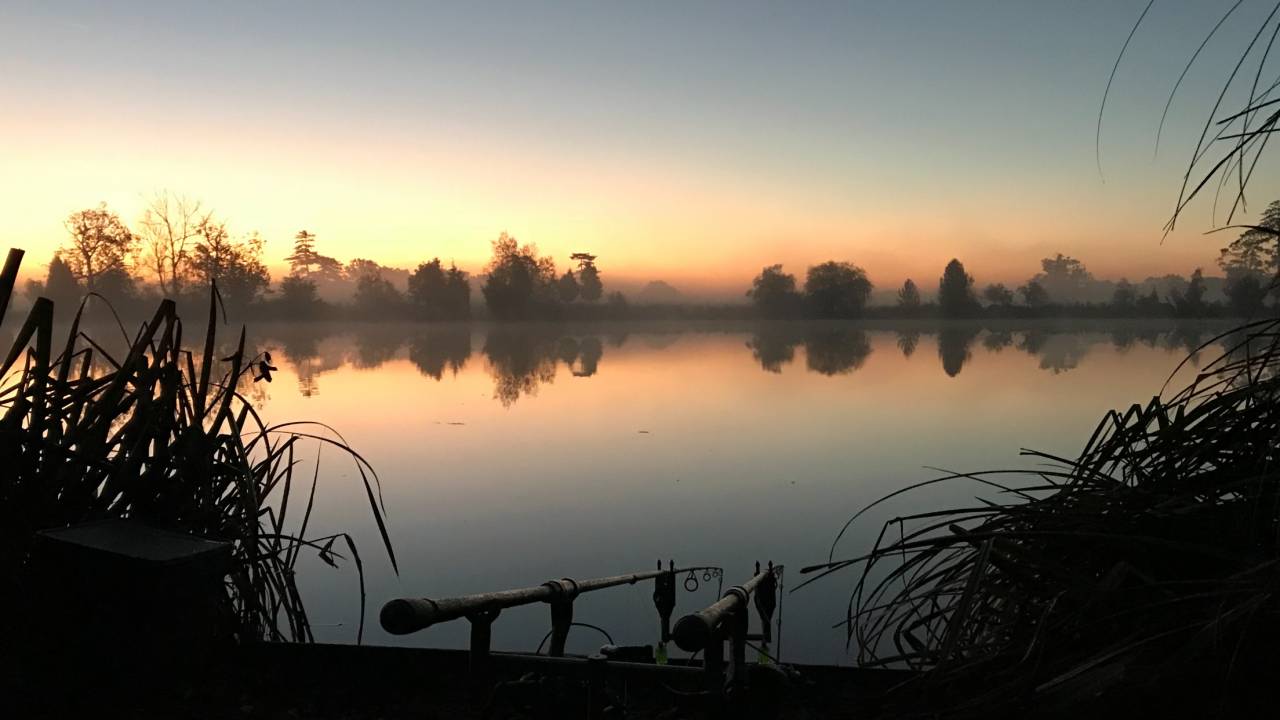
{"x":693,"y":142}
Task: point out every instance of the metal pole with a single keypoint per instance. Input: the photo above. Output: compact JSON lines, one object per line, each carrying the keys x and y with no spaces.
{"x":694,"y":631}
{"x":407,"y":615}
{"x":481,"y":635}
{"x":561,"y":614}
{"x":664,"y":599}
{"x":713,"y":662}
{"x":766,"y":601}
{"x":736,"y":625}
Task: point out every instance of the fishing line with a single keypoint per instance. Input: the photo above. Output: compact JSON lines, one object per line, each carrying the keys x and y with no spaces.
{"x":598,"y":629}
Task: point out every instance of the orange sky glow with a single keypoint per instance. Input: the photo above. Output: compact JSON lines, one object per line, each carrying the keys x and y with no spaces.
{"x":656,"y":179}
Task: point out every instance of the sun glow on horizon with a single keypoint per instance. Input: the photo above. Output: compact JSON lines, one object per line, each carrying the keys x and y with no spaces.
{"x":698,"y":169}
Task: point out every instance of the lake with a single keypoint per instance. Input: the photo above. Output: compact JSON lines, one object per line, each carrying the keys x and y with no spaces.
{"x":510,"y":455}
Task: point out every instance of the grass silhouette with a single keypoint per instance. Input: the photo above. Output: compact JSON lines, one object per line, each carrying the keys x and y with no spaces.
{"x":162,"y":434}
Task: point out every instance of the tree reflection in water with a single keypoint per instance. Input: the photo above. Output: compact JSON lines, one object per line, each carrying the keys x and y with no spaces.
{"x":774,"y":346}
{"x":908,"y":340}
{"x":997,"y":340}
{"x":954,"y":342}
{"x":828,"y":349}
{"x":520,"y":358}
{"x":435,"y":349}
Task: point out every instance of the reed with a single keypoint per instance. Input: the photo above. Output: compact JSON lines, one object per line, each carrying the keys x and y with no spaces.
{"x":162,"y":433}
{"x":1146,"y":570}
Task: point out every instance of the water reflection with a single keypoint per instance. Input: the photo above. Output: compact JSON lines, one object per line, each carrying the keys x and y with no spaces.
{"x":589,"y":354}
{"x":997,"y":340}
{"x":907,"y":342}
{"x":520,"y":358}
{"x":519,"y":361}
{"x":774,"y":347}
{"x":376,"y":344}
{"x":1187,"y":339}
{"x":954,"y":343}
{"x":1058,"y":352}
{"x":758,"y":409}
{"x":580,"y":355}
{"x":433,"y":350}
{"x":835,"y":352}
{"x":828,"y":350}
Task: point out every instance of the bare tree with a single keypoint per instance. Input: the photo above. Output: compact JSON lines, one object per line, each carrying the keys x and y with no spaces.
{"x":169,"y":228}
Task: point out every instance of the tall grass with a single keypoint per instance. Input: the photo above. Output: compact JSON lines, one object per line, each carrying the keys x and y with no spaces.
{"x":1141,"y":577}
{"x":1145,"y":570}
{"x":162,"y":434}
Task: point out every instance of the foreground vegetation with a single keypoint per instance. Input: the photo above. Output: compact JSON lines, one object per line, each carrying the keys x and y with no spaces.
{"x":162,"y":434}
{"x":1140,"y":575}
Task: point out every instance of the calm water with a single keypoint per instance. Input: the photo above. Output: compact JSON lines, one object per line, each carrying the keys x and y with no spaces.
{"x":512,"y":455}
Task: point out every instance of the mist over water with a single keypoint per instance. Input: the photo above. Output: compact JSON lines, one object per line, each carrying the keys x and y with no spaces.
{"x":512,"y":454}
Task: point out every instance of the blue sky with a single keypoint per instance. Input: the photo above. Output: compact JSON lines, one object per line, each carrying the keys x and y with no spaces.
{"x":696,"y":141}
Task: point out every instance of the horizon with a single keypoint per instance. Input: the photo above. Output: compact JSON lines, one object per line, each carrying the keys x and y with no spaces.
{"x":696,"y":165}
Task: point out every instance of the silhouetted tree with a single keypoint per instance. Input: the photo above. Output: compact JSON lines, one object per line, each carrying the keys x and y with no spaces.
{"x":1246,"y":293}
{"x":955,"y":291}
{"x":1034,"y":295}
{"x":1064,"y":278}
{"x":618,"y":305}
{"x":836,"y":290}
{"x":998,"y":295}
{"x":1257,"y":250}
{"x":427,"y":290}
{"x":458,"y":285}
{"x":1150,"y":304}
{"x":99,"y":244}
{"x":303,"y":257}
{"x":909,"y":296}
{"x":1189,"y":302}
{"x":520,"y":284}
{"x":1251,"y":263}
{"x":376,"y":297}
{"x":60,"y":286}
{"x":236,"y":265}
{"x":568,"y":287}
{"x":298,"y":296}
{"x":358,"y":268}
{"x":1125,"y":298}
{"x":117,"y":286}
{"x":590,"y":288}
{"x":439,"y":294}
{"x":773,"y":293}
{"x":170,"y":226}
{"x":304,"y":261}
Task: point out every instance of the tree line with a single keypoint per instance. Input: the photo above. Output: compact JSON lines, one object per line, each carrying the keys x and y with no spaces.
{"x":1064,"y":286}
{"x":179,"y":248}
